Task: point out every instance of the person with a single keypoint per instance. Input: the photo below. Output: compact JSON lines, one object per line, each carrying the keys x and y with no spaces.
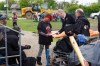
{"x":44,"y":29}
{"x":80,"y":26}
{"x":99,"y":25}
{"x":3,"y":19}
{"x":14,"y":18}
{"x":12,"y":46}
{"x":12,"y":42}
{"x":2,"y":61}
{"x":67,"y":19}
{"x":82,"y":20}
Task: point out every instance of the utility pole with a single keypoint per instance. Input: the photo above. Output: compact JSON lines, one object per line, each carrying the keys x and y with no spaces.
{"x":7,"y":8}
{"x":64,"y":4}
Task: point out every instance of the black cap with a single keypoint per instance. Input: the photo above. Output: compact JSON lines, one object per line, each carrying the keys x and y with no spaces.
{"x":2,"y":16}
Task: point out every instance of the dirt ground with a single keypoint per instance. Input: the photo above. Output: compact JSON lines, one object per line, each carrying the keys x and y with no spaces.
{"x":32,"y":39}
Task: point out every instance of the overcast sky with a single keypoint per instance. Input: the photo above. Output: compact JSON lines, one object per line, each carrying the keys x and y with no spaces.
{"x":80,"y":1}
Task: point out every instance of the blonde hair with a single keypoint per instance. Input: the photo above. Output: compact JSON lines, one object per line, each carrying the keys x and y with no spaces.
{"x":81,"y":11}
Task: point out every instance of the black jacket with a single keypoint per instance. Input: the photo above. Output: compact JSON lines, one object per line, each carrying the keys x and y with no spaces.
{"x":43,"y":29}
{"x":69,"y":19}
{"x":84,"y":25}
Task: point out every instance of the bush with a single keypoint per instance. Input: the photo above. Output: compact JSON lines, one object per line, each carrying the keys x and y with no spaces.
{"x":2,"y":6}
{"x":91,"y":9}
{"x":87,"y":9}
{"x":24,"y":3}
{"x":72,"y":8}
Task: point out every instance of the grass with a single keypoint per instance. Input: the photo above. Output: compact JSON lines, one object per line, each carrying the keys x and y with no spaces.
{"x":30,"y":25}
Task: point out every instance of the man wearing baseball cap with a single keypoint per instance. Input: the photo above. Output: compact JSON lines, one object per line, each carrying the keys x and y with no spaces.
{"x":3,"y":19}
{"x":44,"y":30}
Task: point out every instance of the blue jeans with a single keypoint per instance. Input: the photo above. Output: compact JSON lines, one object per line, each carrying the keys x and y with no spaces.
{"x":46,"y":52}
{"x":2,"y":61}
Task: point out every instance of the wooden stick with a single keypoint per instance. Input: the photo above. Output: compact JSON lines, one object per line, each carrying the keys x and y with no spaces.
{"x":78,"y":52}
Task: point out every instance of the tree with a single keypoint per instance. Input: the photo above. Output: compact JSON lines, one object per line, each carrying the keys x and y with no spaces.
{"x":10,"y":2}
{"x":2,"y":6}
{"x":40,"y":2}
{"x":52,"y":4}
{"x":25,"y":3}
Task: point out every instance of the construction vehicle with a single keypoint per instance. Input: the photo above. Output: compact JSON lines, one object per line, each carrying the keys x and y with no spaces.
{"x":28,"y":12}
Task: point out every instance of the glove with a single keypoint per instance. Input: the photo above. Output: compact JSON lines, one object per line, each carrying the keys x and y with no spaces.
{"x":69,"y":33}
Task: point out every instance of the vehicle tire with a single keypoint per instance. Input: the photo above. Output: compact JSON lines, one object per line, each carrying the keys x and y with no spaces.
{"x":29,"y":15}
{"x":95,"y":17}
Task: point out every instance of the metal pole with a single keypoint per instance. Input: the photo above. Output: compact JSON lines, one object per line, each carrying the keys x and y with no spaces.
{"x":7,"y":8}
{"x":6,"y":53}
{"x":11,"y":29}
{"x":20,"y":50}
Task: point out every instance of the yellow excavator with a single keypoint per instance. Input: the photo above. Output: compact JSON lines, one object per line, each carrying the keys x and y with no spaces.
{"x":28,"y":12}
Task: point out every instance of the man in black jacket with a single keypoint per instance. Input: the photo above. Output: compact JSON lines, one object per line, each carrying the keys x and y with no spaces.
{"x":12,"y":42}
{"x":67,"y":19}
{"x":82,"y":23}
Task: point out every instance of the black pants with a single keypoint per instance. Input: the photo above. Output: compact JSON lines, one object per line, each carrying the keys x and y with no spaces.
{"x":13,"y":60}
{"x":14,"y":24}
{"x":13,"y":49}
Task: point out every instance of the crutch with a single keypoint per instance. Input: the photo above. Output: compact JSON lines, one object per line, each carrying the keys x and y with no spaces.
{"x":78,"y":52}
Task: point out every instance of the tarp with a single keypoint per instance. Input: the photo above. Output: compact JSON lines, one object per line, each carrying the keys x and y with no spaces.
{"x":91,"y":53}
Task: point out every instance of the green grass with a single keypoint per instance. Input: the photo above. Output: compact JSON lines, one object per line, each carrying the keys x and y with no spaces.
{"x":30,"y":25}
{"x":93,"y":23}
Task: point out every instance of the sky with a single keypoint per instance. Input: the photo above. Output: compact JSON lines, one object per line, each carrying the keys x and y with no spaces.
{"x":84,"y":2}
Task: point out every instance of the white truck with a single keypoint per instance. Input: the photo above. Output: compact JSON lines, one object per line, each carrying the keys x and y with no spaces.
{"x":94,"y":15}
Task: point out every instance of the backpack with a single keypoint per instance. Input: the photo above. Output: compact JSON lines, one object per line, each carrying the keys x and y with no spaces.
{"x":29,"y":61}
{"x":63,"y":45}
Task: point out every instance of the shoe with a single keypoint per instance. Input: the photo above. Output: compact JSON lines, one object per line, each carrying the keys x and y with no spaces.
{"x":39,"y":61}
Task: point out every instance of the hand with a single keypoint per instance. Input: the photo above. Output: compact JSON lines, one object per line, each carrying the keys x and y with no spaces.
{"x":70,"y":32}
{"x":54,"y":36}
{"x":86,"y":63}
{"x":57,"y":33}
{"x":54,"y":33}
{"x":47,"y":35}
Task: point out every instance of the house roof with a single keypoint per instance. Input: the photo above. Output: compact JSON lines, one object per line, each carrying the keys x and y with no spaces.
{"x":15,"y":6}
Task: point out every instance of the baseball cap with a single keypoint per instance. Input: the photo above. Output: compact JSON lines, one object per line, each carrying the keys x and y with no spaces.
{"x":2,"y":16}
